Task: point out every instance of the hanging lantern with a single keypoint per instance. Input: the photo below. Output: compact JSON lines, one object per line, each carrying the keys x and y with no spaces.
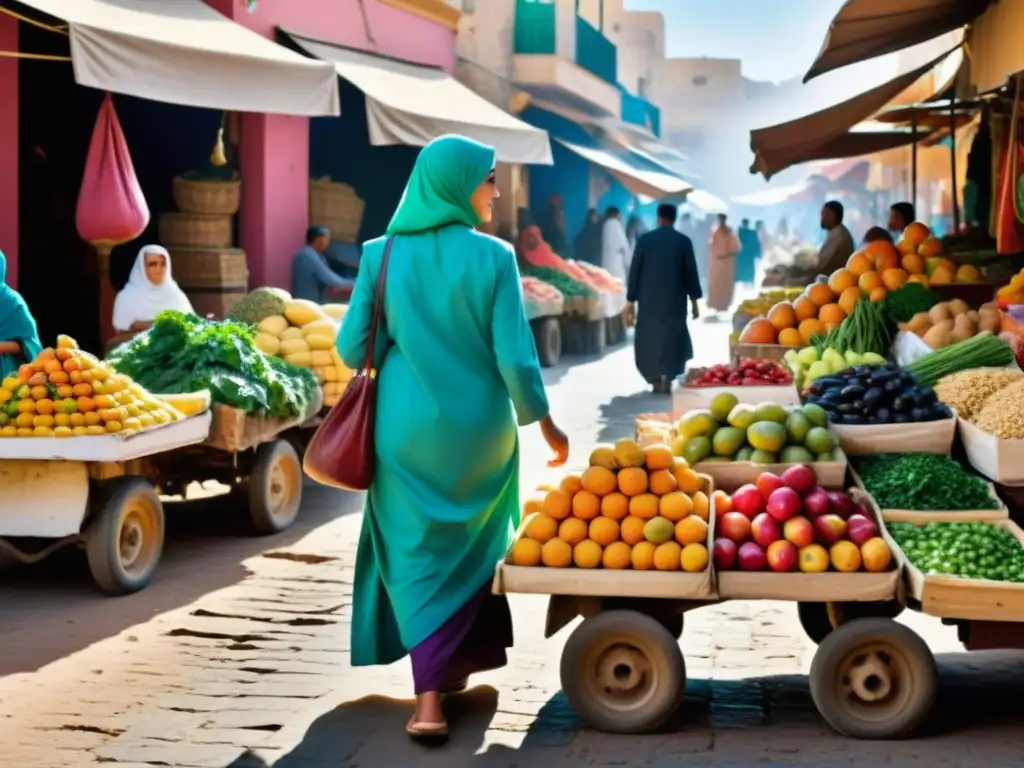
{"x":111,"y":208}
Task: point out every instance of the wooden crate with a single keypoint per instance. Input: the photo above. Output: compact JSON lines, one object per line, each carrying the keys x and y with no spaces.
{"x":670,"y":585}
{"x":920,"y":517}
{"x":828,"y":587}
{"x":216,"y":302}
{"x":210,"y":268}
{"x":774,"y":352}
{"x":195,"y":229}
{"x":953,"y":597}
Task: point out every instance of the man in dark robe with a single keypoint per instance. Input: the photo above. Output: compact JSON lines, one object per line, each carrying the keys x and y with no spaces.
{"x":662,"y":277}
{"x":587,"y":246}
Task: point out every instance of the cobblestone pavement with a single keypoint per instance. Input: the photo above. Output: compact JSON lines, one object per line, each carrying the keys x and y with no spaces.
{"x":237,"y":655}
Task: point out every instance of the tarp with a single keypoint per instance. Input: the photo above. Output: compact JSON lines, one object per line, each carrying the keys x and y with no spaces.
{"x":184,"y":52}
{"x":631,"y":175}
{"x":865,"y":29}
{"x":817,"y":135}
{"x":413,"y":104}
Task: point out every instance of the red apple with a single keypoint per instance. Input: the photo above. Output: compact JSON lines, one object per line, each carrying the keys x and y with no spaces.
{"x":860,"y":528}
{"x":752,"y":557}
{"x":749,"y":501}
{"x":724,"y":553}
{"x":781,"y":556}
{"x":830,"y":528}
{"x":800,"y":478}
{"x":765,"y":530}
{"x":799,"y":531}
{"x":816,"y":503}
{"x":734,"y":526}
{"x":767,"y":483}
{"x":784,"y":504}
{"x":841,"y":504}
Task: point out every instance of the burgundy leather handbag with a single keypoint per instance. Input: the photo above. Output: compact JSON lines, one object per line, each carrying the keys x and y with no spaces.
{"x":341,"y":453}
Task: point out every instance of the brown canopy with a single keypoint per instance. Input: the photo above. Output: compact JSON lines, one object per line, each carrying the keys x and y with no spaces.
{"x":846,"y":144}
{"x":806,"y":138}
{"x":864,"y":29}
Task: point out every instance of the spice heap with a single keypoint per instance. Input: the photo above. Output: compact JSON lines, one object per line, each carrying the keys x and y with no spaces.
{"x":923,"y":482}
{"x":967,"y":391}
{"x":1003,"y":413}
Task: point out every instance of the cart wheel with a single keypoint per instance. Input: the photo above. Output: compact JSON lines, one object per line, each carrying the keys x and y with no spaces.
{"x":874,"y":679}
{"x":623,"y":672}
{"x":820,"y":619}
{"x":275,"y":487}
{"x":548,"y":335}
{"x":125,"y":539}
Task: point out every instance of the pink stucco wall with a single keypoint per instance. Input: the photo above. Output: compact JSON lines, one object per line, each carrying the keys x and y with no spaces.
{"x":9,"y":148}
{"x":274,"y":151}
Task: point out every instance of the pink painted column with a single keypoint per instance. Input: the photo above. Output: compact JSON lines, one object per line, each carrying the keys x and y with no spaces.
{"x":9,"y":148}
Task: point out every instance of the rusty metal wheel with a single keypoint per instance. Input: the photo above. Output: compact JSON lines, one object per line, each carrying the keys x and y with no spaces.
{"x":125,"y":537}
{"x":275,"y":487}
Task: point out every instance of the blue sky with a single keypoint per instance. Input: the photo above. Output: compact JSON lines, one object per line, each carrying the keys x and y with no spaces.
{"x":775,"y":39}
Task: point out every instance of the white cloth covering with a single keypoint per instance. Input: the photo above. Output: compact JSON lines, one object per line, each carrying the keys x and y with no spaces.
{"x":141,"y":301}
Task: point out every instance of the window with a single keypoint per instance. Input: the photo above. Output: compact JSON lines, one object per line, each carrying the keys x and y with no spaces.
{"x":700,"y":80}
{"x":642,"y":87}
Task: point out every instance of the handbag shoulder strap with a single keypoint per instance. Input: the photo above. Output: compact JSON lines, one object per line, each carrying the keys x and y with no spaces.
{"x":378,"y":310}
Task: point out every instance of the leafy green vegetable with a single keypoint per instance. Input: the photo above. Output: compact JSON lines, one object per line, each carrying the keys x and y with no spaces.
{"x":907,"y":300}
{"x":183,"y":353}
{"x":923,"y":482}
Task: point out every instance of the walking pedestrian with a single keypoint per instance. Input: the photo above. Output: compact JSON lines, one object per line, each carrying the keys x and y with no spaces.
{"x":457,"y":368}
{"x":723,"y":247}
{"x":662,"y":276}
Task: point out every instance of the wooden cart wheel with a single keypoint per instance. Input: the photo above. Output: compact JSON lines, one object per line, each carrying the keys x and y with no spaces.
{"x":548,"y":334}
{"x":819,"y":619}
{"x":275,"y":487}
{"x":623,"y":672}
{"x":125,"y":537}
{"x":874,"y":679}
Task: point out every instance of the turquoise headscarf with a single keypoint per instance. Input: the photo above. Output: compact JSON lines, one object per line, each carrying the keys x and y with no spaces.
{"x":447,"y":172}
{"x":16,"y":324}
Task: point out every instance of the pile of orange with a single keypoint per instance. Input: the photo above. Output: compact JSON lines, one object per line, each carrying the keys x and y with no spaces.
{"x":870,"y":273}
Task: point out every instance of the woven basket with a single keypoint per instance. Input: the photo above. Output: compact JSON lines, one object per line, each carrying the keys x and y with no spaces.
{"x":337,"y":207}
{"x":210,"y":268}
{"x":195,"y":230}
{"x":214,"y":302}
{"x":209,"y":197}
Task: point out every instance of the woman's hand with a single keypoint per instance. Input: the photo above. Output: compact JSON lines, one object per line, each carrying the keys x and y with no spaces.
{"x":557,"y":440}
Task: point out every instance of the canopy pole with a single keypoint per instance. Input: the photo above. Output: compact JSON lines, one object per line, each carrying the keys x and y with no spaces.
{"x":952,"y":161}
{"x":913,"y":159}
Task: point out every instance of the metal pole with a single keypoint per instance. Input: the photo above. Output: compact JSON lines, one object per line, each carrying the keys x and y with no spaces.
{"x":952,"y":161}
{"x":913,"y":159}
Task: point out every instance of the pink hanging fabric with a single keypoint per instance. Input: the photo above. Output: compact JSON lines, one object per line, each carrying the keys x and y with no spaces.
{"x":111,"y":207}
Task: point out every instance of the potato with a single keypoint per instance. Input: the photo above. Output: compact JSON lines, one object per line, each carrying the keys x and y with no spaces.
{"x":940,"y":335}
{"x":940,"y":312}
{"x":958,"y":307}
{"x":919,"y":324}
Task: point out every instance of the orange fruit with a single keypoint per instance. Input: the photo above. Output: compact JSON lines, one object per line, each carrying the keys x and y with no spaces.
{"x":604,"y":530}
{"x":894,"y":278}
{"x":633,"y":481}
{"x":615,"y":506}
{"x":694,"y":558}
{"x":587,"y":554}
{"x":687,"y":480}
{"x":642,"y":556}
{"x":905,"y":247}
{"x":526,"y":552}
{"x":860,"y":263}
{"x":790,"y":337}
{"x":571,"y":484}
{"x":913,"y":264}
{"x":922,"y":279}
{"x":52,"y":366}
{"x":811,"y":327}
{"x":599,"y":481}
{"x":916,"y":233}
{"x":840,"y":280}
{"x":573,"y":530}
{"x":556,"y":554}
{"x":723,"y":503}
{"x":617,"y":556}
{"x":782,"y":316}
{"x":585,"y":505}
{"x":557,"y":504}
{"x":667,"y":557}
{"x":879,"y":294}
{"x":44,"y":406}
{"x":644,"y":506}
{"x":701,"y":505}
{"x":805,"y":309}
{"x":850,"y":297}
{"x":691,"y":530}
{"x":632,"y":530}
{"x":658,"y":456}
{"x":831,"y":313}
{"x":820,"y":294}
{"x":542,"y":528}
{"x":930,"y":248}
{"x":675,"y":506}
{"x":758,"y":331}
{"x":58,"y":377}
{"x":869,"y":281}
{"x":662,"y":482}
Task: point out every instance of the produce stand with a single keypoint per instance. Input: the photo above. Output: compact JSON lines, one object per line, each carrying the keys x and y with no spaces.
{"x":546,"y":321}
{"x":584,"y":331}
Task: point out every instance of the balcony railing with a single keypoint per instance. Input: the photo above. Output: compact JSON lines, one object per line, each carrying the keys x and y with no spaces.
{"x":534,"y":28}
{"x":637,"y":110}
{"x":595,"y":52}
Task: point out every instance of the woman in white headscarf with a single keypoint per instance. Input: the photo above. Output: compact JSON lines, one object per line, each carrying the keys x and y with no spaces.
{"x":149,"y":291}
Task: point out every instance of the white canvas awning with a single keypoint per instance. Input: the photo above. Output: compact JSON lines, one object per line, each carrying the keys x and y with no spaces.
{"x":184,"y":52}
{"x":639,"y":181}
{"x":413,"y":104}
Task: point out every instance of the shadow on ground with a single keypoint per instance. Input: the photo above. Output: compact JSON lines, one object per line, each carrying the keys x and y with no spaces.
{"x":53,"y":609}
{"x":758,"y":721}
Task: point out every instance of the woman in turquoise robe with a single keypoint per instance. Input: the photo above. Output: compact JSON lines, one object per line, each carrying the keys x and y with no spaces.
{"x":19,"y":337}
{"x":458,"y":368}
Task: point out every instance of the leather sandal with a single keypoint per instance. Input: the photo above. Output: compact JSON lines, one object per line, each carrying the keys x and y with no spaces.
{"x":427,"y":733}
{"x":457,"y":686}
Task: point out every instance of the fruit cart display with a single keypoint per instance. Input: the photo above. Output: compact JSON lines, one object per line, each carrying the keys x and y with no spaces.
{"x":545,"y":306}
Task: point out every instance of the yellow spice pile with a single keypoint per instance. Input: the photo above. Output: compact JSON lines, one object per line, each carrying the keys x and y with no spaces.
{"x":968,"y":392}
{"x":1003,"y":414}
